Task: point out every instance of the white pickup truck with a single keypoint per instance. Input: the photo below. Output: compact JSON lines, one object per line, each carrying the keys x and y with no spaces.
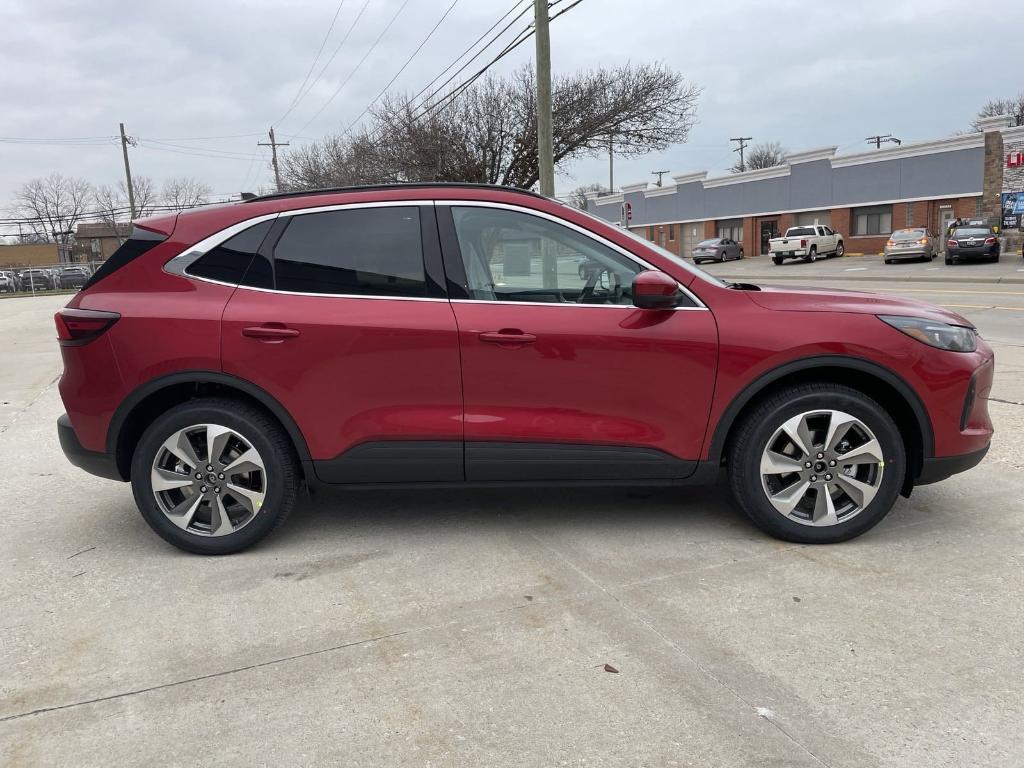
{"x":806,"y":242}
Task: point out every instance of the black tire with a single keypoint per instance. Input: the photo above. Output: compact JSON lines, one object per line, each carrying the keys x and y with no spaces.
{"x":777,"y":260}
{"x":812,"y":255}
{"x":949,"y":261}
{"x":760,"y":424}
{"x":840,"y":248}
{"x":888,"y":261}
{"x":263,"y":433}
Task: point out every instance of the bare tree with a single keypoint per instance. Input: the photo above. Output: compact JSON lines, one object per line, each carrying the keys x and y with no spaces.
{"x":1014,"y":107}
{"x":181,"y":192}
{"x":578,"y":197}
{"x":53,"y":206}
{"x":111,"y":203}
{"x":487,"y":133}
{"x":767,"y":154}
{"x":146,"y":197}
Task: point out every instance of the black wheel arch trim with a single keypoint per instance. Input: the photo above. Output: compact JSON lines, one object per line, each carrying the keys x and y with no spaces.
{"x":153,"y":386}
{"x":752,"y":390}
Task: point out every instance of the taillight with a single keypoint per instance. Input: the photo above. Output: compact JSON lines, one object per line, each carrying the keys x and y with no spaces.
{"x":990,"y":241}
{"x":80,"y":326}
{"x":803,"y":243}
{"x":952,"y":242}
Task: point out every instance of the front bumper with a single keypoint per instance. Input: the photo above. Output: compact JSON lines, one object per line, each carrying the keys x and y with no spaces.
{"x":93,"y":462}
{"x":939,"y":468}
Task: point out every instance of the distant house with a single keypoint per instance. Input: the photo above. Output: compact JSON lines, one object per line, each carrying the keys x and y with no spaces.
{"x":96,"y":241}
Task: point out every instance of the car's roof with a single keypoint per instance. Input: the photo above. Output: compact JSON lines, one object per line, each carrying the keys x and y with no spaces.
{"x":431,"y":185}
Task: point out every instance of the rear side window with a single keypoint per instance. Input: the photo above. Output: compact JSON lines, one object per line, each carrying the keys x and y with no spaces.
{"x":229,"y":261}
{"x":364,"y":252}
{"x":141,"y":241}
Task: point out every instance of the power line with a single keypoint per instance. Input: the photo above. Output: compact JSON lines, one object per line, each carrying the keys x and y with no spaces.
{"x":323,"y":69}
{"x":198,"y":153}
{"x":356,"y":68}
{"x":426,"y":101}
{"x":406,"y":64}
{"x":312,"y":64}
{"x":472,"y":46}
{"x":878,"y":141}
{"x":274,"y":144}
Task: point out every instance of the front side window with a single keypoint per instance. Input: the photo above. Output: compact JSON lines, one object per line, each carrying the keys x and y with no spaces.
{"x":360,"y":251}
{"x":512,"y":256}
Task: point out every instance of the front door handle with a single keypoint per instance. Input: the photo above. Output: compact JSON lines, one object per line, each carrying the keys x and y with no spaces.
{"x":507,"y":336}
{"x":274,"y":332}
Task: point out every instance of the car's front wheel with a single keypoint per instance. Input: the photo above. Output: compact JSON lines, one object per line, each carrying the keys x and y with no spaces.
{"x":817,"y":464}
{"x":840,"y":249}
{"x":214,"y":476}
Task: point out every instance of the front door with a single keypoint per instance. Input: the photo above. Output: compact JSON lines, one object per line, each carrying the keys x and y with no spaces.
{"x":769,"y":229}
{"x":352,"y":336}
{"x":563,"y":378}
{"x":946,"y":218}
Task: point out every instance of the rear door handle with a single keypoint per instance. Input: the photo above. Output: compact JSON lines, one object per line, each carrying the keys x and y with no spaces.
{"x":507,"y":336}
{"x":270,"y":332}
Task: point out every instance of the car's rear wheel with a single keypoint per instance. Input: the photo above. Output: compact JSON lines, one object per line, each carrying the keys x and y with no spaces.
{"x":949,"y":261}
{"x":812,"y":255}
{"x":777,"y":260}
{"x":817,"y":464}
{"x":214,"y":476}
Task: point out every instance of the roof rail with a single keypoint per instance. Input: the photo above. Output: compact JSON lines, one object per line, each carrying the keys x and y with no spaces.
{"x":399,"y":185}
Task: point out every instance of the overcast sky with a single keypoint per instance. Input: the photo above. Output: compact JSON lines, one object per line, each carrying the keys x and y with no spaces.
{"x":808,"y":73}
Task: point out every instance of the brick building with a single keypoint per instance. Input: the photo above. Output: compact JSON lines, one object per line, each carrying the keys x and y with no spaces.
{"x":864,"y":196}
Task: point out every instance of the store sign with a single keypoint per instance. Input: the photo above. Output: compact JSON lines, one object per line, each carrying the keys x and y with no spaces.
{"x":1015,"y":160}
{"x":1013,"y":210}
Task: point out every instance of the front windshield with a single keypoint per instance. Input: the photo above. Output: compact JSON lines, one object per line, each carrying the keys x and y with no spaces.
{"x":689,"y":266}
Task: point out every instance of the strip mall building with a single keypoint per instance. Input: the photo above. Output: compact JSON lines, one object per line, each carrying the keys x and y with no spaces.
{"x":864,"y":196}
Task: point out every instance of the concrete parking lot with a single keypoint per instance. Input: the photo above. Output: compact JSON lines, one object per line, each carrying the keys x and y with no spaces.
{"x":474,"y":628}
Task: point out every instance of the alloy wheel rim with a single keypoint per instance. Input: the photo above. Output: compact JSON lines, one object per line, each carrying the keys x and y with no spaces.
{"x":208,"y":480}
{"x":821,"y":468}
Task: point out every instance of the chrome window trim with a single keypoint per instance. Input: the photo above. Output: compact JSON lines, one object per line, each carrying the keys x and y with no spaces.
{"x":581,"y":230}
{"x":178,"y":265}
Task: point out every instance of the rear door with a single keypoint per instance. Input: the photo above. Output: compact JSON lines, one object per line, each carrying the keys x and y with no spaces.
{"x":563,"y":378}
{"x":344,"y":321}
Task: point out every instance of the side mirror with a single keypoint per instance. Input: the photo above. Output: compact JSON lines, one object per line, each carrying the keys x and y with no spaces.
{"x":655,"y":290}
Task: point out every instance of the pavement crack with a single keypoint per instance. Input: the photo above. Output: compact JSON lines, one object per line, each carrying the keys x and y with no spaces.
{"x":29,"y":404}
{"x":199,"y":678}
{"x":1005,"y":402}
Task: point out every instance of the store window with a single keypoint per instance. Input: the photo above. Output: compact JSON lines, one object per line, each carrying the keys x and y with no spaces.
{"x":872,"y":220}
{"x":731,"y":229}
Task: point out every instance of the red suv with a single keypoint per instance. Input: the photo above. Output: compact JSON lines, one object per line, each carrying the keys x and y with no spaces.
{"x":453,"y":334}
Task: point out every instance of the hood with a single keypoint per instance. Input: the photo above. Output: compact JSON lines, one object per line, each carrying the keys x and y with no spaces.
{"x":805,"y":299}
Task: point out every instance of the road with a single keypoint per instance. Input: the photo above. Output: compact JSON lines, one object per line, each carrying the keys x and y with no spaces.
{"x":473,"y":628}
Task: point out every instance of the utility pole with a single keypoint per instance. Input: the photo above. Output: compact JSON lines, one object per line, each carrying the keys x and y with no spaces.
{"x":611,"y":162}
{"x":545,"y":153}
{"x":742,"y":140}
{"x":659,"y":174}
{"x":878,"y":141}
{"x":274,"y":144}
{"x":125,"y":141}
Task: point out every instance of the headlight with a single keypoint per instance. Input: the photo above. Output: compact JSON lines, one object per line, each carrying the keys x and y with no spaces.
{"x":955,"y":338}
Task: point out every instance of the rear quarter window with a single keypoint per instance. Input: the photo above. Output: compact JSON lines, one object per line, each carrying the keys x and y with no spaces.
{"x":230,"y":261}
{"x":140,"y":242}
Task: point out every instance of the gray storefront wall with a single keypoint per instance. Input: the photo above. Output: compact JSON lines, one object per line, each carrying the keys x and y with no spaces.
{"x":810,"y":181}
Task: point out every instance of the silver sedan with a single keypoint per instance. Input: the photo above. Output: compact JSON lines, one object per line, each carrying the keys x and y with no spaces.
{"x":717,"y":249}
{"x":913,"y":243}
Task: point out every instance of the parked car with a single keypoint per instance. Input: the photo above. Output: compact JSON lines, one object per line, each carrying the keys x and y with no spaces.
{"x":972,"y":242}
{"x":8,"y":282}
{"x":35,"y":279}
{"x":912,"y":243}
{"x":806,"y":242}
{"x":362,"y":337}
{"x":717,"y":249}
{"x":72,"y":277}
